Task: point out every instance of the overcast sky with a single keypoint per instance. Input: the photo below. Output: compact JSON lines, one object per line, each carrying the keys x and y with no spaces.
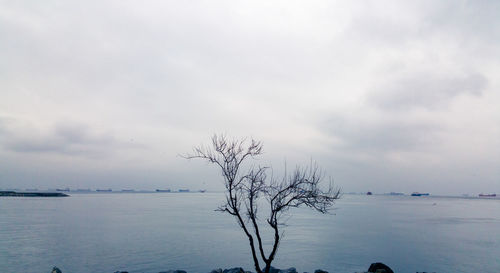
{"x":384,"y":95}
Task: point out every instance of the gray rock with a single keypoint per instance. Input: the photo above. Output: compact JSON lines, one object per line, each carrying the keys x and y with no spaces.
{"x":174,"y":271}
{"x":277,"y":270}
{"x":289,"y":270}
{"x":121,"y":272}
{"x":379,"y":268}
{"x":320,"y":271}
{"x":273,"y":270}
{"x":56,"y":270}
{"x":216,"y":271}
{"x":234,"y":270}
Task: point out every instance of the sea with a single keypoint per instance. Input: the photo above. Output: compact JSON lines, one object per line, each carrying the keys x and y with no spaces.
{"x":153,"y":232}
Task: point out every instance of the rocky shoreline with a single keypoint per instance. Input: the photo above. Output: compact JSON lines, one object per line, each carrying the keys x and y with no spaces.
{"x":32,"y":194}
{"x":374,"y":268}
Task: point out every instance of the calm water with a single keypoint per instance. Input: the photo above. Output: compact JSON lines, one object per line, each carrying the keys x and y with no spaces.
{"x":160,"y":231}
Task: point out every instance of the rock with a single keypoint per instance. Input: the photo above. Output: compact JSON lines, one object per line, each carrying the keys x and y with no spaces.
{"x":289,"y":270}
{"x":174,"y":271}
{"x":379,"y":268}
{"x":216,"y":271}
{"x":277,"y":270}
{"x":121,"y":272}
{"x":234,"y":270}
{"x":56,"y":270}
{"x":320,"y":271}
{"x":272,"y":270}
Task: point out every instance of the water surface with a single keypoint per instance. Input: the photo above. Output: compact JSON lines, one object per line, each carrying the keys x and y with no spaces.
{"x":152,"y":232}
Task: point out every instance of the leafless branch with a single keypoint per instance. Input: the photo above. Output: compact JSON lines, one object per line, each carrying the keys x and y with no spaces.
{"x":246,"y":187}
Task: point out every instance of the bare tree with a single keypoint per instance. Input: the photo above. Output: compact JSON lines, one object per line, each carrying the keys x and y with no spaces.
{"x":246,"y":186}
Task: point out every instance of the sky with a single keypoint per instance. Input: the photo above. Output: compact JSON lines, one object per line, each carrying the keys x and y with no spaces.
{"x":385,"y":96}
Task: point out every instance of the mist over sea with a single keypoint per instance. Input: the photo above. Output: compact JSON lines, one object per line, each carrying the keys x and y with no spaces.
{"x":152,"y":232}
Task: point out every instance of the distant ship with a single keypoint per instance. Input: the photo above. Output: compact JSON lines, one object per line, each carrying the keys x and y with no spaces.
{"x":419,"y":194}
{"x":128,"y":190}
{"x":369,"y":193}
{"x":105,"y":190}
{"x":183,"y":190}
{"x":65,"y":189}
{"x":203,"y":190}
{"x":487,"y":195}
{"x":167,"y":190}
{"x":396,"y":193}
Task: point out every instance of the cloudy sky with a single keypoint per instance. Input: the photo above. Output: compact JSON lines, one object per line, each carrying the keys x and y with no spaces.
{"x":384,"y":95}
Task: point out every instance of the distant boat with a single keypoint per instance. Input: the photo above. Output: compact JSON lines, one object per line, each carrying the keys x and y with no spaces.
{"x":396,"y":193}
{"x":105,"y":190}
{"x":369,"y":193}
{"x":419,"y":194}
{"x":203,"y":190}
{"x":487,"y":195}
{"x":127,"y":190}
{"x":65,"y":189}
{"x":167,"y":190}
{"x":183,"y":190}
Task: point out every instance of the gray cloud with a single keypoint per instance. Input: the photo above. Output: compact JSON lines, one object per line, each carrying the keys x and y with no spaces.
{"x":382,"y":135}
{"x":474,"y":23}
{"x":65,"y":138}
{"x":426,"y":90}
{"x":399,"y":77}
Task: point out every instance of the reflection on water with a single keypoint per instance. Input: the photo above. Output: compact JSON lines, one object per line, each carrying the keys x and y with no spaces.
{"x":161,"y":231}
